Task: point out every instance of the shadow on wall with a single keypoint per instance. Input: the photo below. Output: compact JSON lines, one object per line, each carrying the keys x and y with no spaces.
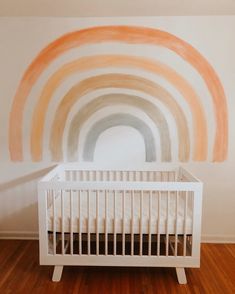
{"x":18,"y":209}
{"x":25,"y":179}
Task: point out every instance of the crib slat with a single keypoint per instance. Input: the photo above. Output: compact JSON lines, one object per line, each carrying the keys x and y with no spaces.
{"x":148,"y":176}
{"x":135,"y":176}
{"x":54,"y":222}
{"x":158,"y":223}
{"x":150,"y":222}
{"x":155,"y":176}
{"x":141,"y":222}
{"x":80,"y":222}
{"x":106,"y":222}
{"x":62,"y":220}
{"x":123,"y":175}
{"x":114,"y":225}
{"x":97,"y":222}
{"x":185,"y":221}
{"x":167,"y":222}
{"x":71,"y":222}
{"x":88,"y":224}
{"x":123,"y":221}
{"x":132,"y":222}
{"x":176,"y":223}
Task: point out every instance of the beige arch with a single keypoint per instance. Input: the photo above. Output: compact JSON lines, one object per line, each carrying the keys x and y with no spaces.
{"x":200,"y":138}
{"x":114,"y":99}
{"x":117,"y":81}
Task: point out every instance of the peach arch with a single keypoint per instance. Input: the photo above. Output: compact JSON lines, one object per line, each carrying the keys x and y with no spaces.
{"x":122,"y":81}
{"x":200,"y":137}
{"x":128,"y":35}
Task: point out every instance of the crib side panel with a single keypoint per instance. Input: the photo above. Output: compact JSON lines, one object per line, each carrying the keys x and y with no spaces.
{"x":121,"y":222}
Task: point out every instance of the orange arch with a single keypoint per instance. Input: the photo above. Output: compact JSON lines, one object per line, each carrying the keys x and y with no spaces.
{"x":122,"y":81}
{"x":156,"y":67}
{"x":129,"y":35}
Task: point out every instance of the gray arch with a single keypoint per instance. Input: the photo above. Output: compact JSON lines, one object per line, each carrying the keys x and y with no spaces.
{"x":119,"y":119}
{"x":110,"y":99}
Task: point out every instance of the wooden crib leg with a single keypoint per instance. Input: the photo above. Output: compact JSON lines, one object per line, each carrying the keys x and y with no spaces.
{"x":57,"y":273}
{"x":180,"y":272}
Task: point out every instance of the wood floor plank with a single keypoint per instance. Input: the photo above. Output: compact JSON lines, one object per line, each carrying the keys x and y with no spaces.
{"x":20,"y":273}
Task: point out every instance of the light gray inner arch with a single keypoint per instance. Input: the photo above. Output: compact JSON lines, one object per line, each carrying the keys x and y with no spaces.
{"x":148,"y":107}
{"x":119,"y":119}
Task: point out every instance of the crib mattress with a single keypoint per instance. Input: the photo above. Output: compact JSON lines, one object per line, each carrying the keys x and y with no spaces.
{"x":123,"y":219}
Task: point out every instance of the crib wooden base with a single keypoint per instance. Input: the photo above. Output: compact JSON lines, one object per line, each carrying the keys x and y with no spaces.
{"x":57,"y":273}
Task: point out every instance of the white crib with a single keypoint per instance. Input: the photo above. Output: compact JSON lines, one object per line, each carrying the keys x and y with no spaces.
{"x":101,"y":217}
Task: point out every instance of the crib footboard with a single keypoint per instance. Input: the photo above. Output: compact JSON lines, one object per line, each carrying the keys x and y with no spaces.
{"x":143,"y":220}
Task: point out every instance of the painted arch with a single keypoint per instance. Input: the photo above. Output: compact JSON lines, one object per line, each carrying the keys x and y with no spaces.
{"x":122,"y":81}
{"x":101,"y":61}
{"x":114,"y":99}
{"x":120,"y":119}
{"x":127,"y":35}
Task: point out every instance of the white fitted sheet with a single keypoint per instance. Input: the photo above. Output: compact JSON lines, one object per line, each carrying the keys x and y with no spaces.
{"x":72,"y":221}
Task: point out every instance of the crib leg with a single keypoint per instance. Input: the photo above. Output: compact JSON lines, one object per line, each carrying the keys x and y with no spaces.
{"x":180,"y":272}
{"x":57,"y":273}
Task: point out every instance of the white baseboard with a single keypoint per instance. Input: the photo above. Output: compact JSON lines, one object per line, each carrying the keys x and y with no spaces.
{"x":218,"y":239}
{"x":18,"y":235}
{"x":27,"y":235}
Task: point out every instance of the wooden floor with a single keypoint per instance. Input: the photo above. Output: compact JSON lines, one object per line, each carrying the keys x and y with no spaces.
{"x":20,"y":273}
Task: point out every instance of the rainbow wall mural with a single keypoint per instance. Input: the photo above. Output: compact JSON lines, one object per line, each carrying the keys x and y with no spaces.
{"x":128,"y":74}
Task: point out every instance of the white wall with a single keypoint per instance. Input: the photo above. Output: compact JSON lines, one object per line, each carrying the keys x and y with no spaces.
{"x":21,"y":39}
{"x":82,"y":8}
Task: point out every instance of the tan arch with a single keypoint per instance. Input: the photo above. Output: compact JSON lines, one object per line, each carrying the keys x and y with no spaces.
{"x":114,"y":99}
{"x":117,"y":81}
{"x":200,"y":138}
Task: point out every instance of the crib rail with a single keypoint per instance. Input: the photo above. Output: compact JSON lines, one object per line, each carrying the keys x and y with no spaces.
{"x":120,"y":214}
{"x":119,"y":175}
